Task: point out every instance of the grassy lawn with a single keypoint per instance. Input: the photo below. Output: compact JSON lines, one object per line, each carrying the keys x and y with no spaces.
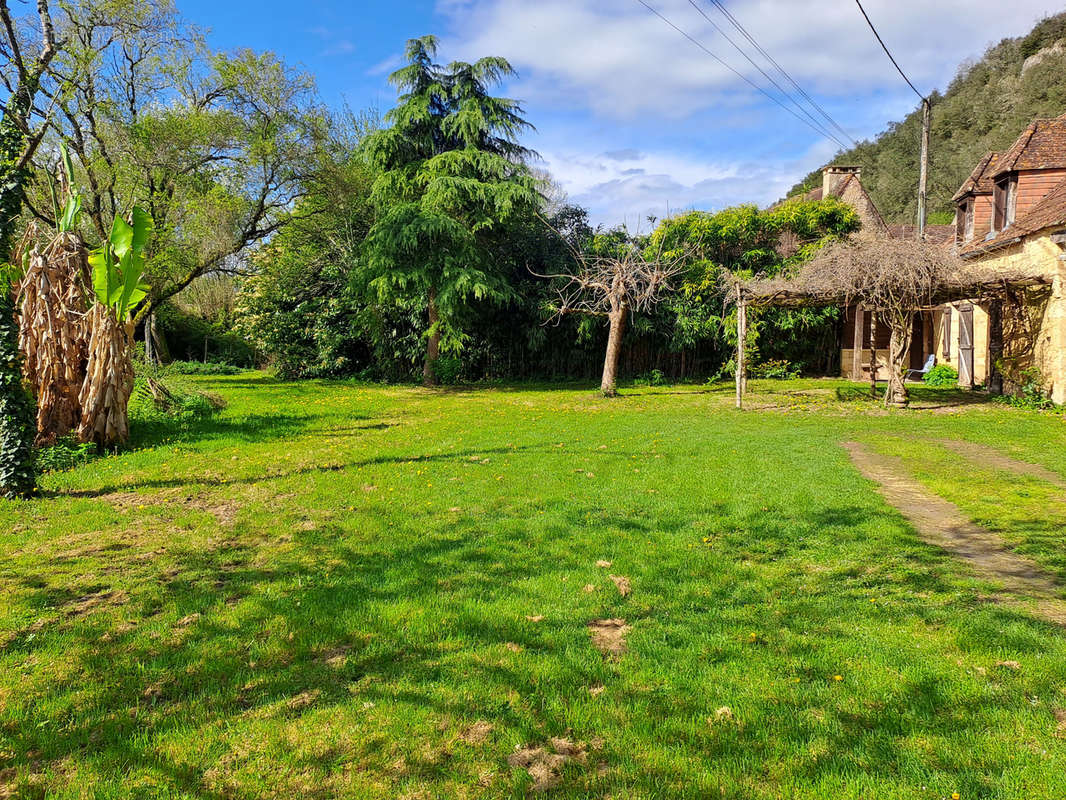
{"x":339,"y":590}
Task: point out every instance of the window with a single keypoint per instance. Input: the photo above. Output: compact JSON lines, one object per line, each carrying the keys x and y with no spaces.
{"x":1012,"y":200}
{"x":968,"y":233}
{"x":1005,"y":202}
{"x":999,"y":205}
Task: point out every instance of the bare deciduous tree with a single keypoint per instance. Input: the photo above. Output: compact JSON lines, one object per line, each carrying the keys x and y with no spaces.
{"x":615,"y":286}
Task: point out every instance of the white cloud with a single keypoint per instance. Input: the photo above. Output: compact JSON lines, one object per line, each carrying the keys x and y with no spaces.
{"x":618,"y":60}
{"x":634,"y":119}
{"x":618,"y":187}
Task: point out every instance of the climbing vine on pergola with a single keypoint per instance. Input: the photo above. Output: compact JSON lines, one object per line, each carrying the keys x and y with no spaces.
{"x":893,"y":278}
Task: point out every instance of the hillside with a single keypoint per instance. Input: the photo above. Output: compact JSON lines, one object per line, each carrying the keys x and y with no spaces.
{"x":985,"y":108}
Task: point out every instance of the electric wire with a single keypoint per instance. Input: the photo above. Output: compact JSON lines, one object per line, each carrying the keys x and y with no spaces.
{"x":765,"y":74}
{"x":888,"y":53}
{"x":754,"y":43}
{"x":742,"y":76}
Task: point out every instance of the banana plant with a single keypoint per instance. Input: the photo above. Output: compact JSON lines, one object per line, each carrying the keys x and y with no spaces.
{"x":118,"y":265}
{"x":67,"y":219}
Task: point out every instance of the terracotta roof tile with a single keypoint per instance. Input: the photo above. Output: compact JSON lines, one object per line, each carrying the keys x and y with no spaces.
{"x":1041,"y":146}
{"x":980,"y":180}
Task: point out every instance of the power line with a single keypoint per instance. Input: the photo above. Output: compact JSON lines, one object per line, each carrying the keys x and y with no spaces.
{"x":742,"y":76}
{"x":765,"y":74}
{"x":884,"y":47}
{"x":736,"y":24}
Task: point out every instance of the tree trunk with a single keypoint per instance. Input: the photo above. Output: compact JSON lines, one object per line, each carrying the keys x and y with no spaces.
{"x":901,"y":325}
{"x":609,"y":383}
{"x":429,"y":372}
{"x":742,"y":349}
{"x":149,"y":356}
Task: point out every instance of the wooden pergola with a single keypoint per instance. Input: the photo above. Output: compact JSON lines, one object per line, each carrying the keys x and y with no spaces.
{"x":821,"y":282}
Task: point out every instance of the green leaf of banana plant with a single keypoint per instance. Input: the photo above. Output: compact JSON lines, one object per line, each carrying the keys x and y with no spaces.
{"x":142,"y":229}
{"x":101,"y":264}
{"x":68,"y":165}
{"x":69,"y":220}
{"x":121,"y":237}
{"x":132,"y":270}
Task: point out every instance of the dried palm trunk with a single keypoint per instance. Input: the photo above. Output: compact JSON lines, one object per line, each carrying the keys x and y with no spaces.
{"x":52,"y":335}
{"x":105,"y":393}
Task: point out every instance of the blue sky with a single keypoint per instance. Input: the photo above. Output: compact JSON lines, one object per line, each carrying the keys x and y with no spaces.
{"x":632,"y":119}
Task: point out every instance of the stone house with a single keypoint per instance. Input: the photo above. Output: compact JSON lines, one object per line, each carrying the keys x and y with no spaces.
{"x":1011,"y":216}
{"x":845,"y":183}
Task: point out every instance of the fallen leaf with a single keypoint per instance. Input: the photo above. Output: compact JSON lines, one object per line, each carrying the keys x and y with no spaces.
{"x":622,"y":582}
{"x":477,"y":733}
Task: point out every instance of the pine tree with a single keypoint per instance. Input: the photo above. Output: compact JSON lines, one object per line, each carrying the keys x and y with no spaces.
{"x":452,"y":171}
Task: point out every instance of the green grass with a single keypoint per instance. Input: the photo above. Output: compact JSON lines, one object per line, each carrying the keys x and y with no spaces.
{"x":363,"y":561}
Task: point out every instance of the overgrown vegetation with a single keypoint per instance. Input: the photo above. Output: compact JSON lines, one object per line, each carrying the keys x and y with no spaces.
{"x":1031,"y":391}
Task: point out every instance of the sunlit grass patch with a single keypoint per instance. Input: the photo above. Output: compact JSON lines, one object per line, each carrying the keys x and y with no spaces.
{"x":342,"y":590}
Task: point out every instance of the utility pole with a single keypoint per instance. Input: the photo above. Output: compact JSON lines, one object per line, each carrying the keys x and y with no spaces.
{"x":923,"y":171}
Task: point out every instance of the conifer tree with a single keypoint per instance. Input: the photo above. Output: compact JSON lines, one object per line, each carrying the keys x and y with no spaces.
{"x":452,"y":171}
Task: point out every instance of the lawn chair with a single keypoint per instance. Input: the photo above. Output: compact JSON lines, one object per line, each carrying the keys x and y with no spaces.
{"x":918,"y":374}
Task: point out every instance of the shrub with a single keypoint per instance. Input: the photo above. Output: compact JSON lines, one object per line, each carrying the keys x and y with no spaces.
{"x":157,"y":398}
{"x":65,"y":454}
{"x":942,"y":375}
{"x":202,"y":368}
{"x":778,"y":368}
{"x":1031,"y":393}
{"x":448,"y":369}
{"x":186,"y":336}
{"x":653,"y":378}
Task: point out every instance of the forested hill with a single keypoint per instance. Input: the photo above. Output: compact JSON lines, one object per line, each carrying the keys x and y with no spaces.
{"x":986,"y":106}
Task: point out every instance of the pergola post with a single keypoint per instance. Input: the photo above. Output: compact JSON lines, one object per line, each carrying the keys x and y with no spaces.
{"x":742,"y":337}
{"x":873,"y":353}
{"x":856,"y":344}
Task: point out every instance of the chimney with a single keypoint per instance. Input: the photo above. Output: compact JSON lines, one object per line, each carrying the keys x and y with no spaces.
{"x":834,"y":176}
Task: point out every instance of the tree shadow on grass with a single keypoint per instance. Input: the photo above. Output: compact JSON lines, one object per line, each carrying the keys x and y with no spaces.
{"x":404,"y":458}
{"x":248,"y":428}
{"x":327,"y":625}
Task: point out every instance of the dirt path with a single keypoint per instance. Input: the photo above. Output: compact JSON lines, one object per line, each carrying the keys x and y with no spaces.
{"x":991,"y":457}
{"x":941,"y":523}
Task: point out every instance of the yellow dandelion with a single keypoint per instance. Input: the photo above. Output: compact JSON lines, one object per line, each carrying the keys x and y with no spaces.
{"x":838,"y":677}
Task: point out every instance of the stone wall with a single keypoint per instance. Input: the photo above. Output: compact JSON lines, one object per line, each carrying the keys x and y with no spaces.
{"x":1034,"y":332}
